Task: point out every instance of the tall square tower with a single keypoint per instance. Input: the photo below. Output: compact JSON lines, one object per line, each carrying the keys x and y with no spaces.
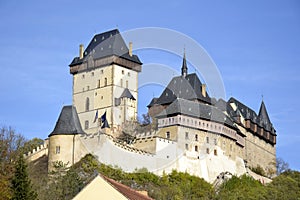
{"x":105,"y":80}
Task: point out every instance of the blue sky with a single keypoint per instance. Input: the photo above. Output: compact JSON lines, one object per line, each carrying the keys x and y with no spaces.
{"x":255,"y":46}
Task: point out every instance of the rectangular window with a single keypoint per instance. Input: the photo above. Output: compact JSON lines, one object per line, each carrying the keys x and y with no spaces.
{"x":196,"y":137}
{"x":186,"y":146}
{"x":57,"y":150}
{"x":196,"y":148}
{"x":98,"y":84}
{"x":186,"y":135}
{"x":207,"y":140}
{"x":168,"y":135}
{"x":215,"y":152}
{"x":207,"y":150}
{"x":215,"y":141}
{"x":86,"y":124}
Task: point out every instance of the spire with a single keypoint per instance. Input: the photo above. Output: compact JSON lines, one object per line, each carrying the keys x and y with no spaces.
{"x":184,"y":68}
{"x":263,"y":114}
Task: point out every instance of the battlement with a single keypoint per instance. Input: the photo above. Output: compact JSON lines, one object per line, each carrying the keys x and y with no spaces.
{"x":37,"y":152}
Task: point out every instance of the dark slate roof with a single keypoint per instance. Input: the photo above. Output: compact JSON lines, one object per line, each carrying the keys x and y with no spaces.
{"x":106,"y":44}
{"x":262,"y":119}
{"x":184,"y":69}
{"x":197,"y":110}
{"x":126,"y":93}
{"x":68,"y":122}
{"x":153,"y":102}
{"x":245,"y":111}
{"x":188,"y":87}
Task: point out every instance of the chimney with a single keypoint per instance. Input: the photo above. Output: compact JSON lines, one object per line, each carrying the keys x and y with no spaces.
{"x":203,"y":87}
{"x":130,"y":49}
{"x":81,"y":51}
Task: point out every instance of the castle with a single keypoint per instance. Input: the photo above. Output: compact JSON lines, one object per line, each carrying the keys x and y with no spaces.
{"x":194,"y":133}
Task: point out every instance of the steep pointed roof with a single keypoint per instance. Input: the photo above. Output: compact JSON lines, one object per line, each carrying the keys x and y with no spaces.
{"x":184,"y":69}
{"x":106,"y":44}
{"x":68,"y":122}
{"x":126,"y":93}
{"x":263,"y":114}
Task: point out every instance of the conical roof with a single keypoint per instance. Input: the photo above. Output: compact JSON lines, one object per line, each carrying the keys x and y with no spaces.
{"x":68,"y":122}
{"x":263,"y":114}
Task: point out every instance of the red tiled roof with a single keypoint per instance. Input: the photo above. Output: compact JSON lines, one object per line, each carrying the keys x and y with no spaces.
{"x":127,"y":191}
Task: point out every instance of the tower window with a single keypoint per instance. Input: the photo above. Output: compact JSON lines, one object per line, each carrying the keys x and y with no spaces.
{"x":215,"y":141}
{"x":168,"y":135}
{"x":128,"y":73}
{"x":105,"y":81}
{"x":87,"y":104}
{"x":196,"y":148}
{"x":207,"y":150}
{"x":215,"y":152}
{"x":86,"y":124}
{"x":101,"y":71}
{"x":57,"y":150}
{"x":186,"y":146}
{"x":98,"y":84}
{"x":196,"y":137}
{"x":93,"y":74}
{"x":207,"y":140}
{"x":122,"y":71}
{"x":82,"y":76}
{"x":186,"y":135}
{"x":126,"y":84}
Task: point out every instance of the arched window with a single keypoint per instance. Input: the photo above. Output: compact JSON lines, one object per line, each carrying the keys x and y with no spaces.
{"x":87,"y":104}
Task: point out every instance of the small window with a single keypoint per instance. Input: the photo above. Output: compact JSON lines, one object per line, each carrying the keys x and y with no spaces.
{"x":88,"y":87}
{"x":121,"y":82}
{"x":128,"y":73}
{"x":93,"y":74}
{"x":207,"y":140}
{"x":57,"y":150}
{"x":168,"y":135}
{"x":196,"y":137}
{"x":215,"y":152}
{"x":105,"y":81}
{"x":122,"y":71}
{"x":186,"y":135}
{"x":98,"y":84}
{"x":196,"y":148}
{"x":86,"y":124}
{"x":101,"y":71}
{"x":83,"y":76}
{"x":186,"y":147}
{"x":207,"y":150}
{"x":126,"y":84}
{"x":215,"y":141}
{"x":87,"y":104}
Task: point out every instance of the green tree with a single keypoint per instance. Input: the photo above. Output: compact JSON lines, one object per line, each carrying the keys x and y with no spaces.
{"x":286,"y":186}
{"x":242,"y":188}
{"x":21,"y":184}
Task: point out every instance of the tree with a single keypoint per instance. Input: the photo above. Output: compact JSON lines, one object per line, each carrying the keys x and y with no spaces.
{"x":10,"y":144}
{"x":21,"y":184}
{"x":244,"y":187}
{"x":281,"y":165}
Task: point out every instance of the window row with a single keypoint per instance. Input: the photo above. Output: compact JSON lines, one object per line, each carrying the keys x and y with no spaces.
{"x":196,"y":138}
